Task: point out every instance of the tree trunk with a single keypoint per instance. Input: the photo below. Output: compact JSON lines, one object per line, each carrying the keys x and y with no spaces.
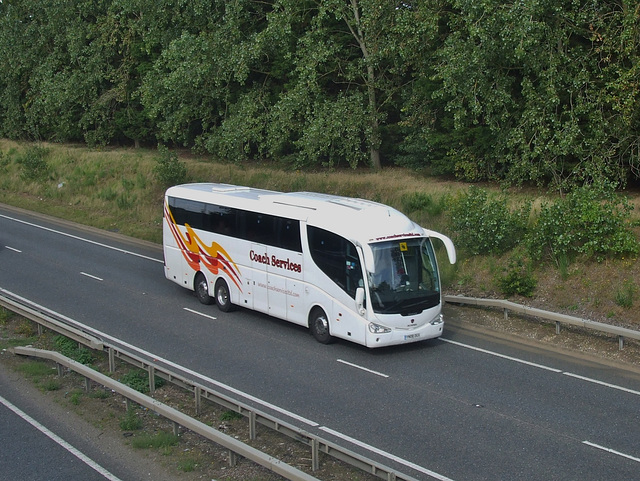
{"x":371,"y":78}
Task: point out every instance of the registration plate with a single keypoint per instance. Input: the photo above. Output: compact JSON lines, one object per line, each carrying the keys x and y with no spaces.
{"x":411,"y":336}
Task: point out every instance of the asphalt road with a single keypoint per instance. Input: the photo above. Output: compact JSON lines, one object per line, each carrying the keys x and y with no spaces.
{"x":465,"y":407}
{"x":40,"y":440}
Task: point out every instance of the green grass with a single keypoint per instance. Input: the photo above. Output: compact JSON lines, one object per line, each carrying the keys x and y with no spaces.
{"x":36,"y":369}
{"x":41,"y":374}
{"x":160,"y":440}
{"x":115,"y":189}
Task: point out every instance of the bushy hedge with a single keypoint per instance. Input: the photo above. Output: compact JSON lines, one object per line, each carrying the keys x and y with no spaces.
{"x":483,"y":224}
{"x":592,"y":221}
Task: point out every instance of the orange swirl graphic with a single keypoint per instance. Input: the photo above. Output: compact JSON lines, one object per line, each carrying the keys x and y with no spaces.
{"x":214,"y":257}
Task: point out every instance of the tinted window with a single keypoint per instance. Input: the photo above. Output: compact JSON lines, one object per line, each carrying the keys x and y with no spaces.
{"x":337,"y":258}
{"x":241,"y":224}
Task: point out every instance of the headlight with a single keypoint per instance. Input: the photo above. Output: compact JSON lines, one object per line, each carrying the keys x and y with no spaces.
{"x":378,"y":329}
{"x":439,"y":319}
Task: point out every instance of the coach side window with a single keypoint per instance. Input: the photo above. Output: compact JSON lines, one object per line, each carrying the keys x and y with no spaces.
{"x":288,"y":234}
{"x":337,"y":258}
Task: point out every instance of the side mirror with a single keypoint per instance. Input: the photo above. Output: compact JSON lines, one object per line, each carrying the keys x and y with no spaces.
{"x":360,"y":301}
{"x":451,"y":250}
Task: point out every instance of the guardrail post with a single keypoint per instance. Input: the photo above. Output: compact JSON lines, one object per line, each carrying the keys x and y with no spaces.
{"x":112,"y":359}
{"x":233,"y":459}
{"x":315,"y":454}
{"x":176,"y":429}
{"x":506,"y":314}
{"x":87,"y":384}
{"x":152,"y":379}
{"x":620,"y":343}
{"x":198,"y":394}
{"x":557,"y":327}
{"x":252,"y":425}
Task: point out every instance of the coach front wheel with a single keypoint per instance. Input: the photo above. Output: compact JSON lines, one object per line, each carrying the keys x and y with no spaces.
{"x":202,"y":289}
{"x":319,"y":326}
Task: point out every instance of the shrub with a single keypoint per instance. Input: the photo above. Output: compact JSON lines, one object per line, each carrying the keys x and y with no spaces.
{"x":591,"y":220}
{"x":518,"y":278}
{"x":69,"y":347}
{"x":485,"y":225}
{"x":168,"y":169}
{"x":139,"y":380}
{"x":34,"y":163}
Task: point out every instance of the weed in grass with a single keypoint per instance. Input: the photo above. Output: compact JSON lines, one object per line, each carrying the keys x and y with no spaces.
{"x":50,"y":384}
{"x":421,"y":201}
{"x":4,"y":162}
{"x":258,"y":179}
{"x":100,"y":394}
{"x":625,"y":294}
{"x":26,"y":329}
{"x":563,"y":262}
{"x":230,"y":416}
{"x":141,"y":181}
{"x":298,"y":183}
{"x":187,"y":465}
{"x":128,"y":185}
{"x":108,"y":194}
{"x":131,"y":421}
{"x":160,"y":440}
{"x":75,"y":397}
{"x":125,"y":201}
{"x":4,"y":316}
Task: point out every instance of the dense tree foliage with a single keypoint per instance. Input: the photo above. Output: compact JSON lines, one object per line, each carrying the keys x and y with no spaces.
{"x":544,"y":91}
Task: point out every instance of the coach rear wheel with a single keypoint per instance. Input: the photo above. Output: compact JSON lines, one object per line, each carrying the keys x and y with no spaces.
{"x":223,"y":298}
{"x":319,"y":326}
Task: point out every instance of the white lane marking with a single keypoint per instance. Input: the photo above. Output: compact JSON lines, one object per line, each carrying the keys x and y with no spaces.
{"x":13,"y":249}
{"x":288,"y":413}
{"x":92,"y":277}
{"x":81,"y":239}
{"x":503,"y":356}
{"x":57,"y":439}
{"x":362,"y":368}
{"x":540,"y":366}
{"x":602,"y":383}
{"x":393,"y":457}
{"x":155,"y":358}
{"x":199,"y":313}
{"x":612,"y":451}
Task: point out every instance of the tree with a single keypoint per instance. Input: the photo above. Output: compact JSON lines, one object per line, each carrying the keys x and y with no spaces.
{"x":530,"y":80}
